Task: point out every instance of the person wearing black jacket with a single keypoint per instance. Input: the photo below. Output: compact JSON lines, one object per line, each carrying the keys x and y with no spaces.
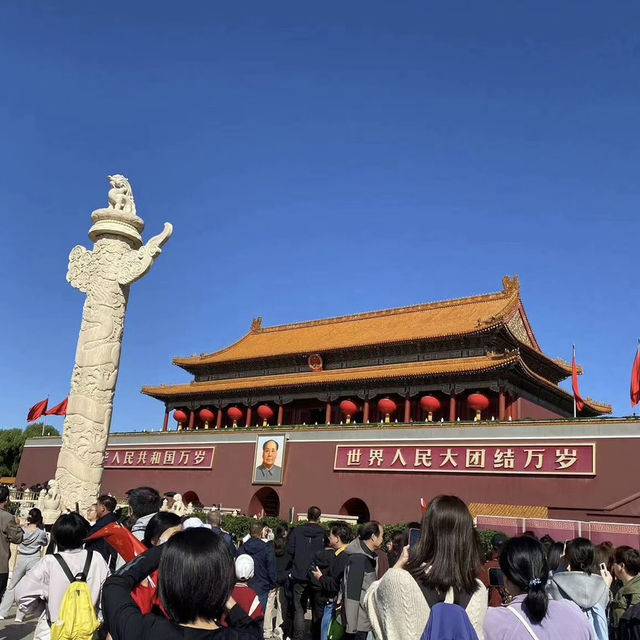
{"x":330,"y":580}
{"x":105,"y":506}
{"x":304,"y":542}
{"x":196,"y":578}
{"x":284,"y":585}
{"x":265,"y":576}
{"x":214,"y":521}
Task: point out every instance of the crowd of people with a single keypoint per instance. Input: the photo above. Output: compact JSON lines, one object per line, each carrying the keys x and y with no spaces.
{"x":429,"y":581}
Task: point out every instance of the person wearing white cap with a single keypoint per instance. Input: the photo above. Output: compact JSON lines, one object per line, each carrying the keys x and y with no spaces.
{"x":243,"y":594}
{"x":192,"y":523}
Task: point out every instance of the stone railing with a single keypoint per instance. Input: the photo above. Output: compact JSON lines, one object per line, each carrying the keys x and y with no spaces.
{"x":26,"y":500}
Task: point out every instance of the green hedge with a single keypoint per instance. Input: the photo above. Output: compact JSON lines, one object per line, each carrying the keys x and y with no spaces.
{"x":240,"y":525}
{"x":485,"y":536}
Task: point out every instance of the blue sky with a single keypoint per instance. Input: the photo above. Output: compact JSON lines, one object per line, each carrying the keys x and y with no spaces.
{"x":318,"y":160}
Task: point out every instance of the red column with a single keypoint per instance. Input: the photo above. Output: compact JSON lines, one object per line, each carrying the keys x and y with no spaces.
{"x":452,"y":408}
{"x":365,"y":412}
{"x":192,"y":419}
{"x":219,"y":419}
{"x":248,"y":422}
{"x":407,"y":409}
{"x":165,"y":426}
{"x":501,"y":404}
{"x":280,"y":414}
{"x":327,"y":415}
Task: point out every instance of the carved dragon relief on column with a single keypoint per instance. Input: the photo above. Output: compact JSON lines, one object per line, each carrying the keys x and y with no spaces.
{"x":104,"y":275}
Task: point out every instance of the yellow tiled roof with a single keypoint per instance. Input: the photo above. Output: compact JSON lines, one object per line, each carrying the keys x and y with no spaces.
{"x":508,"y":510}
{"x":404,"y":370}
{"x":462,"y":316}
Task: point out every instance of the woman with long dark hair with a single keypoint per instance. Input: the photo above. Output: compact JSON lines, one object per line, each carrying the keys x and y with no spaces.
{"x":531,"y":615}
{"x":196,"y":578}
{"x":395,"y":546}
{"x":442,"y":567}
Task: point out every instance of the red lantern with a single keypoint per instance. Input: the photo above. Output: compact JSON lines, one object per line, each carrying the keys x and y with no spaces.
{"x":266,"y":413}
{"x":430,"y":404}
{"x":478,"y":402}
{"x":180,"y":417}
{"x":235,"y":414}
{"x":348,"y":409}
{"x":206,"y":415}
{"x":387,"y":406}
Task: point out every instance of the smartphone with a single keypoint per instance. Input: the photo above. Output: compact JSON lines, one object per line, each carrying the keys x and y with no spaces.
{"x":603,"y":566}
{"x":414,"y":536}
{"x":496,"y":578}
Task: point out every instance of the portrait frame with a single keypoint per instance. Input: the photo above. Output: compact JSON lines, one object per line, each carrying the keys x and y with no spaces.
{"x":263,"y":475}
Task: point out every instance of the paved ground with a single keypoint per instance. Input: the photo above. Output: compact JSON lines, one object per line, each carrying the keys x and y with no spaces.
{"x":12,"y":630}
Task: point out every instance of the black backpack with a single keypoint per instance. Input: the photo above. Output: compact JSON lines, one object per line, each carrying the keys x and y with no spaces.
{"x":629,"y":625}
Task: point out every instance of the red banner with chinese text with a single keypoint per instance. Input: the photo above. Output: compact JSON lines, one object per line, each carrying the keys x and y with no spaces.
{"x":545,"y":458}
{"x":159,"y":458}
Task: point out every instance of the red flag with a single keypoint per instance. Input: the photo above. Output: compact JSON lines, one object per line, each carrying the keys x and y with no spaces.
{"x":146,"y":595}
{"x":635,"y":378}
{"x":121,"y":539}
{"x":128,"y":546}
{"x":59,"y":409}
{"x":37,"y":411}
{"x":574,"y":380}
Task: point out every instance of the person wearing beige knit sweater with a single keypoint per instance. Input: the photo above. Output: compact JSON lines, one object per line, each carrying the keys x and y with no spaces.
{"x":398,"y":610}
{"x":441,"y":567}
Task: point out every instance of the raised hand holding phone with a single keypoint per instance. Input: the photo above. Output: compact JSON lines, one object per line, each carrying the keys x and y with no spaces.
{"x":604,"y":572}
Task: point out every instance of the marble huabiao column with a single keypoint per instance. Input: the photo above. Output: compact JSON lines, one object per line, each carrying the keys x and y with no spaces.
{"x":104,"y":274}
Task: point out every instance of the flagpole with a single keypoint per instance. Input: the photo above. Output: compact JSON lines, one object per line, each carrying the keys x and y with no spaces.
{"x":575,"y":411}
{"x":44,"y":417}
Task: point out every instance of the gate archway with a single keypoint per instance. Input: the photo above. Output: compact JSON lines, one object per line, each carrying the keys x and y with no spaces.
{"x":267,"y":500}
{"x":356,"y":507}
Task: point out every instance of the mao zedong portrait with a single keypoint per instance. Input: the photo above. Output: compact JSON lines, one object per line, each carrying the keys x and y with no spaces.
{"x":268,"y":471}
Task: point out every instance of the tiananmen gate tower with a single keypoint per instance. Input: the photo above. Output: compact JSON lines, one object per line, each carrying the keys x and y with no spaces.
{"x":364,"y":414}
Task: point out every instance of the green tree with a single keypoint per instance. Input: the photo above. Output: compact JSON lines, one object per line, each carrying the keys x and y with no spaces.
{"x":36,"y":430}
{"x":12,"y":442}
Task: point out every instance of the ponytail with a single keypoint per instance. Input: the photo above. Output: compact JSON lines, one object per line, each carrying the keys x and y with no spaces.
{"x":524,"y":563}
{"x":536,"y":602}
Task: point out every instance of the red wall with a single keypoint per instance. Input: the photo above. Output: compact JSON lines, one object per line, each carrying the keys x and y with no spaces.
{"x":391,"y":496}
{"x":529,"y":409}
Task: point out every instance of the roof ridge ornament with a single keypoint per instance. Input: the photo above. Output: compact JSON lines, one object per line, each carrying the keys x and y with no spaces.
{"x":511,"y":285}
{"x":256,"y":324}
{"x":485,"y":322}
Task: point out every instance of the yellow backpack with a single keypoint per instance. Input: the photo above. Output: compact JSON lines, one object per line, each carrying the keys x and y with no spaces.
{"x":77,"y":619}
